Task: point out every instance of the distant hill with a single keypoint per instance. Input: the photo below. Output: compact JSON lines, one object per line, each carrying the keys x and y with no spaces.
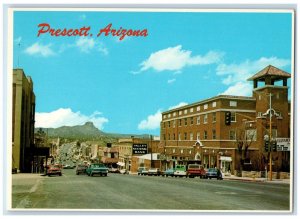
{"x":88,"y":131}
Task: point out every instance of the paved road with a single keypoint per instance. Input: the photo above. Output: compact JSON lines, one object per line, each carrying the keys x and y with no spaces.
{"x":146,"y":192}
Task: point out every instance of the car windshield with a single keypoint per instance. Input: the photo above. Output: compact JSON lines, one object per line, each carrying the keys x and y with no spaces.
{"x":212,"y":170}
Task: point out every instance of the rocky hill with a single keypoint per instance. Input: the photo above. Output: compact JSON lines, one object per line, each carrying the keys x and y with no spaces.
{"x":85,"y":132}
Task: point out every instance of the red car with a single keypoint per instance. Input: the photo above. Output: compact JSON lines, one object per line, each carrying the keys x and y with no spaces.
{"x":54,"y":170}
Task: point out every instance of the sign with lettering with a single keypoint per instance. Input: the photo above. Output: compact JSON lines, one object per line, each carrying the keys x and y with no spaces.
{"x":283,"y":144}
{"x":139,"y":149}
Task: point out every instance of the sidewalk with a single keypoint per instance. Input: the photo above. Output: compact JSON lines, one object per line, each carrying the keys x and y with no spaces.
{"x":253,"y":179}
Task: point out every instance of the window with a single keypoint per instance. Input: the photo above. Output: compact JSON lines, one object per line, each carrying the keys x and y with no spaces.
{"x":192,"y":120}
{"x":214,"y":116}
{"x":205,"y":135}
{"x":179,"y":120}
{"x":181,"y":151}
{"x":174,"y":123}
{"x":205,"y":106}
{"x":233,"y":117}
{"x":185,"y":111}
{"x":232,"y":135}
{"x":174,"y":150}
{"x":191,"y":136}
{"x":180,"y":112}
{"x":198,"y":120}
{"x":233,"y":103}
{"x":205,"y":119}
{"x":169,"y":115}
{"x":198,"y":135}
{"x":251,"y":134}
{"x":164,"y":137}
{"x":214,"y":134}
{"x":198,"y":108}
{"x":191,"y":110}
{"x":164,"y":125}
{"x":214,"y":104}
{"x":185,"y":136}
{"x":169,"y":124}
{"x":174,"y":137}
{"x":165,"y":116}
{"x":174,"y":114}
{"x":185,"y":121}
{"x":169,"y":137}
{"x":179,"y":136}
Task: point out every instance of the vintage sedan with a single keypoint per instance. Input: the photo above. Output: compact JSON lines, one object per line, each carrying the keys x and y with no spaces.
{"x":98,"y":168}
{"x":168,"y":172}
{"x":154,"y":172}
{"x":214,"y":173}
{"x":54,"y":170}
{"x":81,"y":168}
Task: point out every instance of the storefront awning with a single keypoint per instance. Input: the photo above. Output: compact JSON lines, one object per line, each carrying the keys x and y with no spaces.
{"x":121,"y":164}
{"x":225,"y":158}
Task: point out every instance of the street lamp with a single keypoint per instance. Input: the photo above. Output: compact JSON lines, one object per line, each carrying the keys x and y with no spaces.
{"x":270,"y":112}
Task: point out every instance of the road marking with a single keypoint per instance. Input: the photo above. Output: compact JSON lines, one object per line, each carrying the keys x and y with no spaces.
{"x":25,"y":202}
{"x":225,"y":193}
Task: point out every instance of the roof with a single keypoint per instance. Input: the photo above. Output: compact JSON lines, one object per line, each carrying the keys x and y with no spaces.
{"x":270,"y":71}
{"x":230,"y":97}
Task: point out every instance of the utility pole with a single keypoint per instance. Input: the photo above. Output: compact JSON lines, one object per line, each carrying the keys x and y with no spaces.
{"x":270,"y":138}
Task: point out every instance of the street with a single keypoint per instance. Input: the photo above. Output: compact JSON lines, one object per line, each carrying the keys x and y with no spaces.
{"x":117,"y":191}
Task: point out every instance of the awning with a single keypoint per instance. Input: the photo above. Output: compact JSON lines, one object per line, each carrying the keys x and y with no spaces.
{"x":121,"y":164}
{"x":225,"y":158}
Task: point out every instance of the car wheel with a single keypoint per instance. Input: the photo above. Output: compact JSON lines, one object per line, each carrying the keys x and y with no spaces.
{"x":91,"y":174}
{"x":77,"y":173}
{"x":59,"y":174}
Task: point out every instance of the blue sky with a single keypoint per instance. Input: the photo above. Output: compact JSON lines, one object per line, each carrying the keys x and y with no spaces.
{"x":123,"y":86}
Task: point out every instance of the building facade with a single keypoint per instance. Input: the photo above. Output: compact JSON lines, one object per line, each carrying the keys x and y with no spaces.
{"x":229,"y":132}
{"x":23,"y":110}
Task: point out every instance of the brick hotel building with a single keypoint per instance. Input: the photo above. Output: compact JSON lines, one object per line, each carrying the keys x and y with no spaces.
{"x":198,"y":132}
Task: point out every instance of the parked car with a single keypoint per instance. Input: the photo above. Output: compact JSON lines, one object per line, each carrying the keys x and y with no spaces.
{"x":142,"y":171}
{"x":113,"y":170}
{"x":168,"y":172}
{"x":54,"y":170}
{"x":81,"y":168}
{"x":154,"y":172}
{"x":214,"y":173}
{"x":98,"y":168}
{"x":180,"y":170}
{"x":67,"y":166}
{"x":196,"y":170}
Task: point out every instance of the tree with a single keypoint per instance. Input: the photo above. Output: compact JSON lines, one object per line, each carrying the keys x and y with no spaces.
{"x":245,"y":135}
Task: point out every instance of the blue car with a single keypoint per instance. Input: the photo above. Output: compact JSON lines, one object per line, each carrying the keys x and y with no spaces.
{"x":214,"y":173}
{"x":168,"y":172}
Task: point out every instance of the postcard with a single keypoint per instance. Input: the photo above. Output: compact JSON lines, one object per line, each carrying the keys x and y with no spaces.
{"x":150,"y":109}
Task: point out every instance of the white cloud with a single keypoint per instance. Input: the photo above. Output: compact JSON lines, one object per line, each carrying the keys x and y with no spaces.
{"x":66,"y":117}
{"x":236,"y":75}
{"x":102,"y":48}
{"x":241,"y":72}
{"x":239,"y":89}
{"x":39,"y":49}
{"x":170,"y":81}
{"x":175,"y":59}
{"x":178,"y":105}
{"x":152,"y":122}
{"x":85,"y":44}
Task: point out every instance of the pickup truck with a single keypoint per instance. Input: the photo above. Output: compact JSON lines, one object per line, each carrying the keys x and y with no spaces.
{"x":196,"y":170}
{"x":97,"y":169}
